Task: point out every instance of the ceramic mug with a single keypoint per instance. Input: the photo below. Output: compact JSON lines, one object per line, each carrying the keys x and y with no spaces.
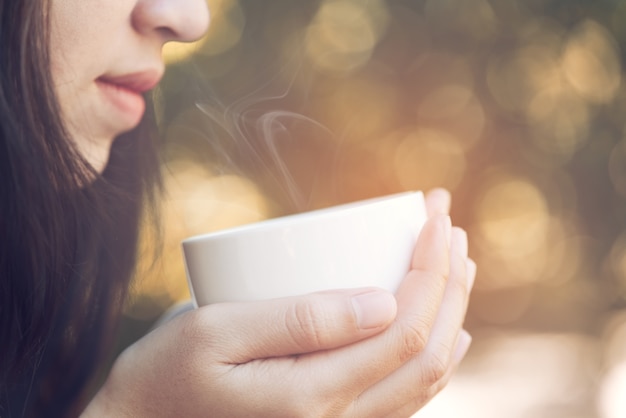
{"x":360,"y":244}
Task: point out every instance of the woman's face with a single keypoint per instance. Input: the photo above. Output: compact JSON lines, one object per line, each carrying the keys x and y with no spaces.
{"x":105,"y":54}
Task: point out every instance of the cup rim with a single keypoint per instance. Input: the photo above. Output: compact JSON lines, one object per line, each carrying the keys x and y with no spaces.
{"x":290,"y":219}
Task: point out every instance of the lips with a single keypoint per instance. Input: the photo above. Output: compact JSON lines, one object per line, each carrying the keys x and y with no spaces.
{"x":139,"y":82}
{"x":124,"y":93}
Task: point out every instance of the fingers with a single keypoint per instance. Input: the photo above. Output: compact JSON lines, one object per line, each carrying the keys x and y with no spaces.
{"x":437,"y":356}
{"x":358,"y":366}
{"x":283,"y":327}
{"x":438,"y":202}
{"x":419,"y":396}
{"x":415,"y":380}
{"x":325,"y":320}
{"x":434,"y":257}
{"x":426,"y":394}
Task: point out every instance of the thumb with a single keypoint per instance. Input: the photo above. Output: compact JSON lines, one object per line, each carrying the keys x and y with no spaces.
{"x":300,"y":324}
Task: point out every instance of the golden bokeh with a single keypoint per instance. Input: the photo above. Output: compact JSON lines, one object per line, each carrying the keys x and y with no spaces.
{"x":591,"y":62}
{"x":516,"y":78}
{"x":517,"y":107}
{"x":560,"y":121}
{"x":360,"y":110}
{"x":343,"y":34}
{"x":514,"y":223}
{"x":474,"y":18}
{"x":427,"y":158}
{"x":456,"y":109}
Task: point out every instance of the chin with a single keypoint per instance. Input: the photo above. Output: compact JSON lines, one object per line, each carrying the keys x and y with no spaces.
{"x":95,"y":152}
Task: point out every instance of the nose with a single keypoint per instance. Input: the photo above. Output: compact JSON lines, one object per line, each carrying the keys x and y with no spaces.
{"x":171,"y":20}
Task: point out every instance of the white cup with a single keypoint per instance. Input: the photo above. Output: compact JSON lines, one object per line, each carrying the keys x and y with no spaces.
{"x":360,"y":244}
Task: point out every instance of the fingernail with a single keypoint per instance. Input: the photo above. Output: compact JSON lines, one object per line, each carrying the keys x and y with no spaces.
{"x":471,"y":273}
{"x":442,"y":197}
{"x":374,"y":309}
{"x":462,"y":345}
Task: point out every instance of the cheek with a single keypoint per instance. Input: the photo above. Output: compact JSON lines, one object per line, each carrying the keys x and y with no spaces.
{"x":65,"y":51}
{"x":73,"y":63}
{"x":76,"y":37}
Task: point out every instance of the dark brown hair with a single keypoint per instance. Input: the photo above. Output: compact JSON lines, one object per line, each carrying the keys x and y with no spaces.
{"x":68,"y":234}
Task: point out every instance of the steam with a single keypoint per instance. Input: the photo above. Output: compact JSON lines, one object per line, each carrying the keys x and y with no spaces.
{"x":256,"y":134}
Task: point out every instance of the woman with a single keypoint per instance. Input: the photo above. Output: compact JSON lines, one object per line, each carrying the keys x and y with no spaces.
{"x":76,"y":166}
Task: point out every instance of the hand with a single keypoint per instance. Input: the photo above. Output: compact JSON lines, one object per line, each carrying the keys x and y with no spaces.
{"x":348,"y":353}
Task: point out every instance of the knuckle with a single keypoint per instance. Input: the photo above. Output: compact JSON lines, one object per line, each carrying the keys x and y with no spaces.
{"x":435,"y":368}
{"x":200,"y":331}
{"x":306,"y":326}
{"x":414,"y":339}
{"x":187,"y":358}
{"x":194,"y":326}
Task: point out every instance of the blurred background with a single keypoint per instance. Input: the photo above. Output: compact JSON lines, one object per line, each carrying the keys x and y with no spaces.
{"x":516,"y":106}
